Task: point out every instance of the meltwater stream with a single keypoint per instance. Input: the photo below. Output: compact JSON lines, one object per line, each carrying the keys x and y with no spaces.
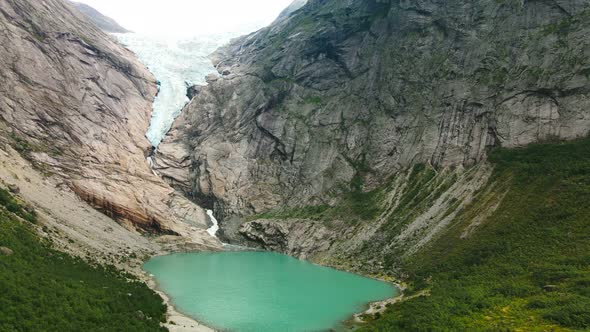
{"x":213,"y":229}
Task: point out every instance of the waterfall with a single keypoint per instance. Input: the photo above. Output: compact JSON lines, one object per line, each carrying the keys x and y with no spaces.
{"x":213,"y":229}
{"x":150,"y":162}
{"x":226,"y":246}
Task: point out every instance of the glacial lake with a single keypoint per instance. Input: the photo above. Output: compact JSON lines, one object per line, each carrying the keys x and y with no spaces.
{"x":263,"y":291}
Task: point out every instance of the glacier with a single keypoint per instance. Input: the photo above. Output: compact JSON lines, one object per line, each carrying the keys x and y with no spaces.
{"x":176,"y":63}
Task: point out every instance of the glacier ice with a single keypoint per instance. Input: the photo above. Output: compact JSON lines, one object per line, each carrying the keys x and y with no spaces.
{"x":174,"y":62}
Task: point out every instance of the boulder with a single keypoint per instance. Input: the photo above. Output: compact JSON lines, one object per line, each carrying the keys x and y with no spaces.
{"x":13,"y":188}
{"x":6,"y":251}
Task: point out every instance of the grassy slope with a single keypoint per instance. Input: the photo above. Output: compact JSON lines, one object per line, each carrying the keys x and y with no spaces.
{"x":45,"y":290}
{"x":526,"y":267}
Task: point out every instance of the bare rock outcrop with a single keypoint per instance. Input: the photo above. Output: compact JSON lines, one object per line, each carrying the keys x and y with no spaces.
{"x":4,"y":251}
{"x":295,"y":5}
{"x":345,"y":88}
{"x":345,"y":95}
{"x":295,"y":237}
{"x":77,"y":105}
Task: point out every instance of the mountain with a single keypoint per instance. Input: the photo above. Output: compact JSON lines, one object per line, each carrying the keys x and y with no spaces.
{"x":84,"y":117}
{"x":344,"y":95}
{"x":105,"y":23}
{"x":401,"y":138}
{"x":442,"y":145}
{"x":77,"y":195}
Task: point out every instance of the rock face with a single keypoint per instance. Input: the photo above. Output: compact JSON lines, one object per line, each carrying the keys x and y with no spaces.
{"x":299,"y":238}
{"x":77,"y":105}
{"x":346,"y":88}
{"x":344,"y":94}
{"x":105,"y":23}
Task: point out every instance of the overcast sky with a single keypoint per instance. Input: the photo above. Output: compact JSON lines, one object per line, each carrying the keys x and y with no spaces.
{"x":188,"y":17}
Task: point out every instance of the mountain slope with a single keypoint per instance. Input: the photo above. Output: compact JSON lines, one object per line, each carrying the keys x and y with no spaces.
{"x":77,"y":105}
{"x":369,"y":88}
{"x":295,"y":5}
{"x":105,"y":23}
{"x":524,"y":267}
{"x":381,"y":105}
{"x":385,"y":137}
{"x":46,"y":290}
{"x":74,"y":109}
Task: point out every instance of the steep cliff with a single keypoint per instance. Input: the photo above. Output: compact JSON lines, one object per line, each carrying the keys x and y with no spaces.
{"x":77,"y":105}
{"x":389,"y":105}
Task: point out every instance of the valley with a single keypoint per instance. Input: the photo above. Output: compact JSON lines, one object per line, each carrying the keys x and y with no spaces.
{"x":439,"y":147}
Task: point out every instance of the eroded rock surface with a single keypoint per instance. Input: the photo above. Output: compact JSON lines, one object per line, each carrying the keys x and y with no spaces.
{"x":346,"y":87}
{"x":343,"y":96}
{"x":77,"y":105}
{"x":298,"y":238}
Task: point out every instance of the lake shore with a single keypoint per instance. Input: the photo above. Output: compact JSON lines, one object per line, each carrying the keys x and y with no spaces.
{"x":178,"y":321}
{"x":175,"y":320}
{"x":378,"y":307}
{"x":375,"y":307}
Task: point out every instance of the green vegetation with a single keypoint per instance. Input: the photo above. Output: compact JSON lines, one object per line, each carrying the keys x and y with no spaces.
{"x":36,"y":31}
{"x":409,"y":195}
{"x":356,"y":205}
{"x":307,"y":212}
{"x":526,"y":267}
{"x":45,"y":290}
{"x":25,"y":148}
{"x":22,"y":146}
{"x":364,"y":205}
{"x":566,"y":25}
{"x":513,"y":4}
{"x":13,"y":205}
{"x":423,"y":186}
{"x":313,"y":100}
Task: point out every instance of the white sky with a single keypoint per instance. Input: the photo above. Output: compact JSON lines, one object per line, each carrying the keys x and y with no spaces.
{"x":190,"y":17}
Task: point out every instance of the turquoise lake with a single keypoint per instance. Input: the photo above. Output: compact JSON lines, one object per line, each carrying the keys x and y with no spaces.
{"x":262,"y":291}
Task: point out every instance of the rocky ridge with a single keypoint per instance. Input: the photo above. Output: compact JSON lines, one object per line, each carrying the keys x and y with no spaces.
{"x":295,"y":5}
{"x":344,"y":97}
